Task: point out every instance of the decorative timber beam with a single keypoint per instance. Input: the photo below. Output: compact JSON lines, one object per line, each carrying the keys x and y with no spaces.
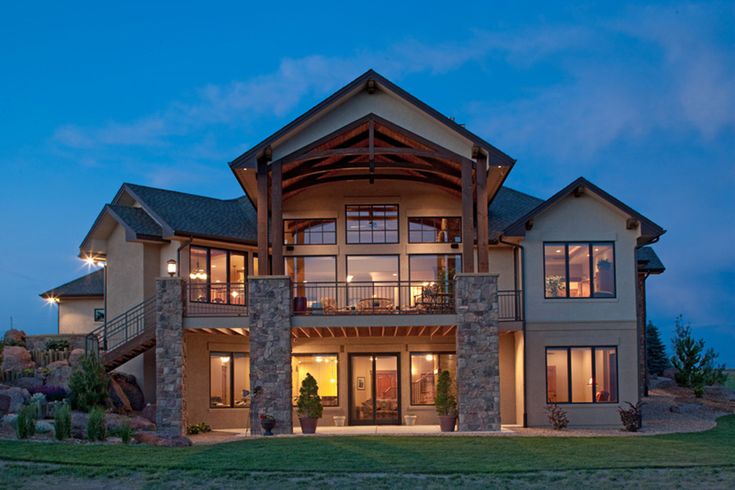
{"x":262,"y":200}
{"x":483,"y":261}
{"x":468,"y":239}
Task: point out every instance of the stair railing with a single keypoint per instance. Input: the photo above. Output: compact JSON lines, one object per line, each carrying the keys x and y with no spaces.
{"x":123,"y":328}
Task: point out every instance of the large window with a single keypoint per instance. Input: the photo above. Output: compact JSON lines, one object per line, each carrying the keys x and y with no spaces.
{"x":581,"y":375}
{"x":313,"y":279}
{"x":323,"y":367}
{"x":373,"y":282}
{"x":372,"y":223}
{"x":579,"y":270}
{"x":229,"y":380}
{"x":434,"y":230}
{"x":310,"y":231}
{"x":425,"y":370}
{"x":217,"y":276}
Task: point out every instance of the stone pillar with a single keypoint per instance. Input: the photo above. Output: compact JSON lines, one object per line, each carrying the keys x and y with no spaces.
{"x":269,"y":309}
{"x":478,"y":380}
{"x":170,"y":358}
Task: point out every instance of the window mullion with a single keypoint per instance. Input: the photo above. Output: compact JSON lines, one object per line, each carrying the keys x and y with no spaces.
{"x":594,"y":375}
{"x":592,"y":270}
{"x":566,"y":265}
{"x":569,"y":375}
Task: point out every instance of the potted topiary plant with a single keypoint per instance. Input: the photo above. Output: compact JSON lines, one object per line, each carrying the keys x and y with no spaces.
{"x":445,"y":403}
{"x":309,"y":405}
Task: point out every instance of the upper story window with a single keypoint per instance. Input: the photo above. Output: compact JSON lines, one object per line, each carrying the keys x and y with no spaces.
{"x":310,"y":231}
{"x":579,"y":270}
{"x":434,"y":230}
{"x":217,"y":276}
{"x":372,"y":223}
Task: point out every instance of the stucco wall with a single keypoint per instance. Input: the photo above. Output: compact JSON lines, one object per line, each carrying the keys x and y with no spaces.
{"x":76,"y":316}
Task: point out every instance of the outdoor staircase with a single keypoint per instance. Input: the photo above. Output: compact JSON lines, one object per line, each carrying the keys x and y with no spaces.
{"x":125,"y":336}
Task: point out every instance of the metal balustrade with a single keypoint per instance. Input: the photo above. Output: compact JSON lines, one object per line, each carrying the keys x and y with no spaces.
{"x":205,"y":299}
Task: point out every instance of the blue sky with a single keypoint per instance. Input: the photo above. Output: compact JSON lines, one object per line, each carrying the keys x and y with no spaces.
{"x":640,"y":99}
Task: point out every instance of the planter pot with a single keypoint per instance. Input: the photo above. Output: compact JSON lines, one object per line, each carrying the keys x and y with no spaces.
{"x":409,"y":419}
{"x":268,"y":427}
{"x":308,"y":425}
{"x":339,"y":420}
{"x":447,"y":422}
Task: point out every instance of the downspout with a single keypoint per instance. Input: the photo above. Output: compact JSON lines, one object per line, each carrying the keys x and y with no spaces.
{"x":517,"y":246}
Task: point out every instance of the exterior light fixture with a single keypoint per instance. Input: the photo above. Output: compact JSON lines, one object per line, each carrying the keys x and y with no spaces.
{"x":171,"y":267}
{"x":52,"y":300}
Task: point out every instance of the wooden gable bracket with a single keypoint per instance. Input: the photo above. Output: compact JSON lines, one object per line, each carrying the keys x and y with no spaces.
{"x":631,"y":224}
{"x":371,"y":86}
{"x":578,"y":191}
{"x":529,"y":225}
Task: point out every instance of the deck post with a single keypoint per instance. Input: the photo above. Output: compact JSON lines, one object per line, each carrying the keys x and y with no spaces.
{"x":468,"y":225}
{"x":482,"y":211}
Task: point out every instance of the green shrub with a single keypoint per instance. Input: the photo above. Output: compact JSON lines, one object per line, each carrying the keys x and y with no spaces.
{"x":125,"y":432}
{"x":199,"y":428}
{"x":39,"y":403}
{"x":96,"y":428}
{"x":26,"y":423}
{"x":444,"y":401}
{"x":557,"y":417}
{"x":88,"y":385}
{"x":62,"y":422}
{"x":695,"y":366}
{"x":57,"y":344}
{"x":309,"y":404}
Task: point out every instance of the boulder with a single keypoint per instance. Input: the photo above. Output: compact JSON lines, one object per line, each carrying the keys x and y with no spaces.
{"x":43,"y":427}
{"x":17,"y":358}
{"x":156,"y":440}
{"x":18,"y":397}
{"x":118,"y":398}
{"x":28,"y":382}
{"x":14,"y":337}
{"x":59,"y":374}
{"x":4,"y":404}
{"x":149,"y":412}
{"x":115,"y":421}
{"x":130,"y":387}
{"x":79,"y":424}
{"x":10,"y":421}
{"x":75,"y":357}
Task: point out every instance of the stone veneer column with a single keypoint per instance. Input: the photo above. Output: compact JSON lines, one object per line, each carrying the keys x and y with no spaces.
{"x":478,"y":381}
{"x":170,"y":358}
{"x":269,"y":309}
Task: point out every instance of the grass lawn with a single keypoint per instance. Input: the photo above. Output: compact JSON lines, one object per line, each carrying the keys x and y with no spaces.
{"x":387,"y":461}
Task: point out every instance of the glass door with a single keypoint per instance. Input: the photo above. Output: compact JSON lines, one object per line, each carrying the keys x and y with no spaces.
{"x":375,"y":389}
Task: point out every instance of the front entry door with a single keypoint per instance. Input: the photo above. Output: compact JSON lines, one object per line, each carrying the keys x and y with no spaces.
{"x":375,"y":389}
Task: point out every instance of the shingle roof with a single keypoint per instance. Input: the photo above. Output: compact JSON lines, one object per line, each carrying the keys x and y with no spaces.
{"x":137,"y":220}
{"x":508,"y":206}
{"x":93,"y":284}
{"x":648,"y":261}
{"x":206,"y":217}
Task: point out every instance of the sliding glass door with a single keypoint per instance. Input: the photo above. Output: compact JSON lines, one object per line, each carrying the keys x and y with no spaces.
{"x":375,"y":389}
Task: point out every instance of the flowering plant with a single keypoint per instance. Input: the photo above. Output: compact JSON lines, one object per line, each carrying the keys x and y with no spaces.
{"x":264,"y":417}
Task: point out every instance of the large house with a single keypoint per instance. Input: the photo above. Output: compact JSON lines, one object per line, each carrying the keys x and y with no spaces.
{"x":375,"y":246}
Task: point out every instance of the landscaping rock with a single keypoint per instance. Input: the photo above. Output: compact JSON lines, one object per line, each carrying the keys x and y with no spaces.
{"x":9,"y":421}
{"x":118,"y":398}
{"x":116,"y":421}
{"x":156,"y":440}
{"x":79,"y":424}
{"x":43,"y":427}
{"x":14,"y":337}
{"x":660,"y":383}
{"x":18,"y":397}
{"x":59,"y":374}
{"x":28,"y":382}
{"x":75,"y":357}
{"x":132,"y":390}
{"x":4,"y":404}
{"x":57,"y":365}
{"x":149,"y":412}
{"x":17,"y":358}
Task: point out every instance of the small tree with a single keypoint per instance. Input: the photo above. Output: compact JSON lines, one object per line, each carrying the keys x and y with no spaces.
{"x":96,"y":426}
{"x":656,"y":357}
{"x":695,"y":366}
{"x":88,"y":385}
{"x":444,"y":401}
{"x":26,"y":422}
{"x":309,"y":403}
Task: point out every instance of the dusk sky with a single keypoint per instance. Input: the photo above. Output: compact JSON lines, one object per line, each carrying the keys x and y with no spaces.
{"x":638,"y":99}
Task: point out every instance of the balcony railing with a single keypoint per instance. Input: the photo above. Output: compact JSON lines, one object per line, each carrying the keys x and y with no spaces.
{"x":216,"y":299}
{"x":372,"y":298}
{"x":510,"y":306}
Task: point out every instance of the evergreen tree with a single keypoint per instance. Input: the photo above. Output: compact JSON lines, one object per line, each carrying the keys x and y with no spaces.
{"x":695,"y":366}
{"x":656,"y":359}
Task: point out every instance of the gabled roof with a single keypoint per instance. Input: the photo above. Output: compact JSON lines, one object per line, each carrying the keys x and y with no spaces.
{"x":508,"y":206}
{"x":648,"y":261}
{"x":248,"y":159}
{"x":137,"y":220}
{"x":88,"y":286}
{"x":649,"y":229}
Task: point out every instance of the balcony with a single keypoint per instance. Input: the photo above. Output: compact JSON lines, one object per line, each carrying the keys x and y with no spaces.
{"x":510,"y":305}
{"x":205,"y":299}
{"x":371,"y":298}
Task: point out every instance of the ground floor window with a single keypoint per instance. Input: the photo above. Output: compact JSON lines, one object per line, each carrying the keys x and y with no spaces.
{"x":229,"y":380}
{"x":425,"y":369}
{"x":324,"y":368}
{"x":581,"y":375}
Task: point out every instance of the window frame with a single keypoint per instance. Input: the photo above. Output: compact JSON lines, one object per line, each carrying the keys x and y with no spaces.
{"x":324,"y":354}
{"x":410,"y":374}
{"x":94,"y":315}
{"x":232,"y":378}
{"x":458,"y":218}
{"x":372,"y":232}
{"x":592,"y":348}
{"x":333,"y":220}
{"x":303,"y":256}
{"x":208,"y":267}
{"x":590,"y":244}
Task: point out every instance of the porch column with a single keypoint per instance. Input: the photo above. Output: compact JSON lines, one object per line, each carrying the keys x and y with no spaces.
{"x":468,"y":235}
{"x":483,"y":263}
{"x":170,"y":358}
{"x":262,"y":184}
{"x":478,"y":381}
{"x":270,"y":351}
{"x":277,"y":218}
